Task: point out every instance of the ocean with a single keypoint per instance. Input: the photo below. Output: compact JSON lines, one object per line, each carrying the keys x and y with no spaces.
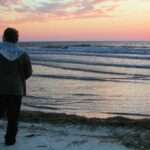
{"x":92,"y":79}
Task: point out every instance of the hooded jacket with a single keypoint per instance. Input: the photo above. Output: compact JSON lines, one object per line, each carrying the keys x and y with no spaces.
{"x":15,"y":69}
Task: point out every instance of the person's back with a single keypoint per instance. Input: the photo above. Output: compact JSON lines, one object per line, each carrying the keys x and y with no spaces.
{"x":15,"y":69}
{"x":10,"y":78}
{"x":13,"y":74}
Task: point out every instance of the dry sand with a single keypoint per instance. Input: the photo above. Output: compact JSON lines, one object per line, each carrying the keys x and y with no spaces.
{"x":63,"y":137}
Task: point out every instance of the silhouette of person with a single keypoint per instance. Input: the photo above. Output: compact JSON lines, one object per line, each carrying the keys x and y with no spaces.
{"x":15,"y":69}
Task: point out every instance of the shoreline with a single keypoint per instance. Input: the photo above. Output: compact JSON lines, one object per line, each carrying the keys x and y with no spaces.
{"x":62,"y":118}
{"x":61,"y":131}
{"x":70,"y":132}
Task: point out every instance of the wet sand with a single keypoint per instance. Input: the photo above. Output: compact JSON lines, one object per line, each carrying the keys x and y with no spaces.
{"x":52,"y":131}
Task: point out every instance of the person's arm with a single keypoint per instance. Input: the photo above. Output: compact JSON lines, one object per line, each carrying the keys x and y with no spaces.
{"x":27,"y":67}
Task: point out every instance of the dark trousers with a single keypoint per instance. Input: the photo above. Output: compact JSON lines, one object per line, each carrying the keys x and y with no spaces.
{"x":10,"y":105}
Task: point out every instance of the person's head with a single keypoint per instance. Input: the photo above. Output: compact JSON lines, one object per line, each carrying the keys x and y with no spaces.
{"x":10,"y":35}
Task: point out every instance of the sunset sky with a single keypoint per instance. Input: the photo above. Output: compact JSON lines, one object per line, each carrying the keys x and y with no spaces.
{"x":75,"y":20}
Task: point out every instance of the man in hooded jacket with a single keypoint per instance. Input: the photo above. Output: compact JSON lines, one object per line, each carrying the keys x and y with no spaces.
{"x":15,"y":69}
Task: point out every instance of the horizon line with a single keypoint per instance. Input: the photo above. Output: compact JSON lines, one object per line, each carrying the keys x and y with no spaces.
{"x":82,"y":41}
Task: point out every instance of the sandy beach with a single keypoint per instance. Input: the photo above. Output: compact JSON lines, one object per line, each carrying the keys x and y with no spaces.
{"x":43,"y":131}
{"x":67,"y":137}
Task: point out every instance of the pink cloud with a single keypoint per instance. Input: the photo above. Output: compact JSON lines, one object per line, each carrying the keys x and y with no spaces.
{"x":8,"y":2}
{"x":59,"y":9}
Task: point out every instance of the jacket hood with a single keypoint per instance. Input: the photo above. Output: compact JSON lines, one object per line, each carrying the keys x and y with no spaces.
{"x":10,"y":51}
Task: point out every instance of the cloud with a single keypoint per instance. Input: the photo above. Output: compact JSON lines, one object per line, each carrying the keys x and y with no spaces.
{"x":66,"y":9}
{"x":7,"y":3}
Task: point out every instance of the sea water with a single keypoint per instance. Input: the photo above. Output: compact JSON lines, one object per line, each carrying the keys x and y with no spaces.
{"x":93,"y":79}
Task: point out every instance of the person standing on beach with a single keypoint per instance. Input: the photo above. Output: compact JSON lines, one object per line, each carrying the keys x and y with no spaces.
{"x":15,"y":69}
